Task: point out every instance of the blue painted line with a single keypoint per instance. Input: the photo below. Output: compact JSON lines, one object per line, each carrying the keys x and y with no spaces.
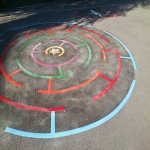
{"x":53,"y":122}
{"x":124,"y":57}
{"x":77,"y":130}
{"x":133,"y":61}
{"x":52,"y":23}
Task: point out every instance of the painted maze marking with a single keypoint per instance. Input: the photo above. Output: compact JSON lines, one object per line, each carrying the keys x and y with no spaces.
{"x":114,"y":80}
{"x":2,"y":69}
{"x":49,"y":65}
{"x":42,"y":76}
{"x":133,"y":61}
{"x":64,"y":41}
{"x":50,"y":91}
{"x":53,"y":122}
{"x":27,"y":107}
{"x":100,"y":45}
{"x":101,"y":36}
{"x":14,"y":72}
{"x":29,"y":41}
{"x":58,"y":47}
{"x":105,"y":78}
{"x":124,"y":57}
{"x":77,"y":130}
{"x":89,"y":50}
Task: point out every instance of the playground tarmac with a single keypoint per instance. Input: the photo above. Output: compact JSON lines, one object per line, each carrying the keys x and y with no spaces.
{"x":94,"y":91}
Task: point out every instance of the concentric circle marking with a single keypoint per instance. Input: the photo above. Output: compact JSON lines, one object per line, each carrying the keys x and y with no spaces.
{"x":67,"y":92}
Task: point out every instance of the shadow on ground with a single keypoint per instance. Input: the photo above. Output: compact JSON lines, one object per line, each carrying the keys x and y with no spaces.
{"x":60,"y":11}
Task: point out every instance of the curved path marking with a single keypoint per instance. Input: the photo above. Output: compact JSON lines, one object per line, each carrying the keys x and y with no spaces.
{"x":89,"y":50}
{"x":2,"y":69}
{"x":101,"y":36}
{"x":27,"y":107}
{"x":78,"y":130}
{"x":64,"y":41}
{"x":50,"y":91}
{"x":41,"y":76}
{"x":112,"y":83}
{"x":100,"y":45}
{"x":62,"y":49}
{"x":49,"y":65}
{"x":73,"y":131}
{"x":134,"y":64}
{"x":41,"y":31}
{"x":29,"y":41}
{"x":47,"y":50}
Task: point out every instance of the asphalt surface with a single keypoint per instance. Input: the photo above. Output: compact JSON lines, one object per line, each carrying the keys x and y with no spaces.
{"x":129,"y":129}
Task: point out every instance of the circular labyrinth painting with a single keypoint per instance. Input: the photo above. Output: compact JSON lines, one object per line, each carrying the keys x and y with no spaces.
{"x":62,"y":80}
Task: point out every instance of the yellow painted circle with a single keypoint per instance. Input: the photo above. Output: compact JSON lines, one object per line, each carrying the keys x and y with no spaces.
{"x":49,"y":48}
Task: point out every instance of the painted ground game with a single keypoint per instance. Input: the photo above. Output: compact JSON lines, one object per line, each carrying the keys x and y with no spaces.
{"x":62,"y":79}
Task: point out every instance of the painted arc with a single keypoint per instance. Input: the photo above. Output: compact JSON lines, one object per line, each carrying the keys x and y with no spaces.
{"x":54,"y":47}
{"x":41,"y":76}
{"x":112,"y":83}
{"x":27,"y":107}
{"x":133,"y":61}
{"x":77,"y":130}
{"x":54,"y":133}
{"x":2,"y":68}
{"x":46,"y":51}
{"x":100,"y":45}
{"x":65,"y":41}
{"x":89,"y":50}
{"x":50,"y":91}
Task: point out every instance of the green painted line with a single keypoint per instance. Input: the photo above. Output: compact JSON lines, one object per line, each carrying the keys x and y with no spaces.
{"x":29,"y":41}
{"x":89,"y":50}
{"x":80,"y":45}
{"x":41,"y":76}
{"x":60,"y":70}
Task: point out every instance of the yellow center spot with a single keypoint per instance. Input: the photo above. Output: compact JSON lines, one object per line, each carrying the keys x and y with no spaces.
{"x":54,"y":51}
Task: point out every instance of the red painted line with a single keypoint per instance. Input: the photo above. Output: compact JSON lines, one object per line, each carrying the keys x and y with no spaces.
{"x":50,"y":84}
{"x":49,"y":91}
{"x":100,"y":45}
{"x":114,"y":80}
{"x":41,"y":31}
{"x":27,"y":107}
{"x":48,"y":31}
{"x":15,"y":72}
{"x":101,"y":36}
{"x":105,"y":78}
{"x":2,"y":69}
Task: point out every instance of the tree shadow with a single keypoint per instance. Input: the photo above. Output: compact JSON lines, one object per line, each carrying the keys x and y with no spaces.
{"x":18,"y":19}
